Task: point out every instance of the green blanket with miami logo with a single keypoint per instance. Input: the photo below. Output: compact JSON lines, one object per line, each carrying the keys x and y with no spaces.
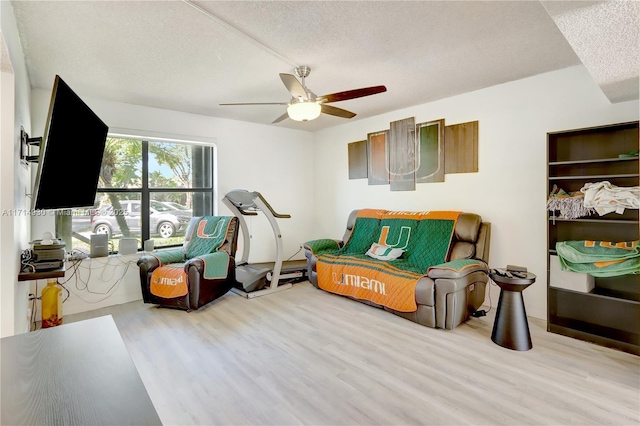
{"x":423,"y":239}
{"x":203,"y":241}
{"x":600,"y":258}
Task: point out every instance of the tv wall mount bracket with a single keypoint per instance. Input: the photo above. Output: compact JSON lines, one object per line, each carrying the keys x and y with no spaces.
{"x":25,"y":147}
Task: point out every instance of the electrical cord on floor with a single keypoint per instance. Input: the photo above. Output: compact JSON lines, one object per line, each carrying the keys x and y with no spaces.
{"x":481,"y":312}
{"x":490,"y":301}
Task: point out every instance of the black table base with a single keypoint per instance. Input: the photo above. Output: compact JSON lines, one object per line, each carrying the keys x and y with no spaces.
{"x":510,"y":327}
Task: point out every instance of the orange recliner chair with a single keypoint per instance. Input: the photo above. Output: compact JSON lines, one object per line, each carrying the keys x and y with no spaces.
{"x":199,"y":272}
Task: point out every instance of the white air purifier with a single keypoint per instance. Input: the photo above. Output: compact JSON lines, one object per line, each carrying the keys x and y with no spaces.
{"x":128,"y":246}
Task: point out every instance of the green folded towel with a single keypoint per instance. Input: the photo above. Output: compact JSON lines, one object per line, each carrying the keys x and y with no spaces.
{"x":600,"y":258}
{"x":630,"y":154}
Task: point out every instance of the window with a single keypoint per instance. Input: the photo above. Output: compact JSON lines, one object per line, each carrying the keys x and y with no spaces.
{"x":148,"y":189}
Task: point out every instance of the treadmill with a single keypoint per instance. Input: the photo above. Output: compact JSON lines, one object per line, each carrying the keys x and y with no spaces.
{"x":259,"y":279}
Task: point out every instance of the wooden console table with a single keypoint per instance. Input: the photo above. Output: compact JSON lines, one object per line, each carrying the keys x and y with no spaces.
{"x":77,"y":373}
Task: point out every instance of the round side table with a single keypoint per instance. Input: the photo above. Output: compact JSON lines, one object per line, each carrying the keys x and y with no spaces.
{"x":510,"y":327}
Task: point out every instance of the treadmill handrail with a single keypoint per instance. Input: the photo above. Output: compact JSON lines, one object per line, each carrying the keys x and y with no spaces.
{"x":238,"y":198}
{"x":273,"y":212}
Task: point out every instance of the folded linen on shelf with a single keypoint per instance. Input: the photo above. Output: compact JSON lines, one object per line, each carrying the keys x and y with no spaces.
{"x":569,"y":204}
{"x":600,"y":258}
{"x":607,"y":198}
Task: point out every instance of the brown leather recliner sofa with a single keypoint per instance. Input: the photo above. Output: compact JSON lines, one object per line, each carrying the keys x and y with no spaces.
{"x":444,"y":293}
{"x":206,"y":257}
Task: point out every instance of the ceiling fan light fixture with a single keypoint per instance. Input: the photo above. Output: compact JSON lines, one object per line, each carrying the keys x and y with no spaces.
{"x":304,"y":111}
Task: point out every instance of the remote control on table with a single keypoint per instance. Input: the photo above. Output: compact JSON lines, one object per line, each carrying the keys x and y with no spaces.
{"x":509,"y":274}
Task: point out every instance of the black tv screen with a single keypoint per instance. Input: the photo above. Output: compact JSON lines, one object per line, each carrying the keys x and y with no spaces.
{"x":70,"y":153}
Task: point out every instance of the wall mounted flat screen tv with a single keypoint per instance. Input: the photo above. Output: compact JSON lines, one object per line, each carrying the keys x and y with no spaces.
{"x":70,"y":153}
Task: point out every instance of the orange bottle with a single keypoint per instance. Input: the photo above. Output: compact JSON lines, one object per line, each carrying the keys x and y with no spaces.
{"x":51,"y":304}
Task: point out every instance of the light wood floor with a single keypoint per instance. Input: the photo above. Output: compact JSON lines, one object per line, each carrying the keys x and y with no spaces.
{"x":303,"y":356}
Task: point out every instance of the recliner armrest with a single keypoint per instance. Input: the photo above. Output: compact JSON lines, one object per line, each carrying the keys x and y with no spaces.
{"x":457,"y":269}
{"x":313,"y":249}
{"x":459,"y":290}
{"x":169,"y":256}
{"x":212,"y":265}
{"x":317,"y":247}
{"x":148,"y":262}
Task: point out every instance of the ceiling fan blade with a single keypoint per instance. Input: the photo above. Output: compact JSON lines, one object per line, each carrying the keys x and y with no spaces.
{"x":279,"y":119}
{"x":294,"y":86}
{"x":338,"y":112}
{"x":258,"y":103}
{"x":352,"y":94}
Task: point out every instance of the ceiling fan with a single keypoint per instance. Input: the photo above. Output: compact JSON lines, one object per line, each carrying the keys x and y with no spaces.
{"x":305,"y":105}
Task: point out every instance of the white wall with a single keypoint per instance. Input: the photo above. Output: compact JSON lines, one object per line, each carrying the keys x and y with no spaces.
{"x":271,"y":160}
{"x":15,"y":225}
{"x":7,"y":254}
{"x":509,"y":189}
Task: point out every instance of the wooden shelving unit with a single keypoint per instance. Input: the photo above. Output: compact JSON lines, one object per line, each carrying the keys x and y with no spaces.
{"x":610,"y":314}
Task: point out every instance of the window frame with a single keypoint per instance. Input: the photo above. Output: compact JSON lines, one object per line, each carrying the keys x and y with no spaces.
{"x":145,"y":191}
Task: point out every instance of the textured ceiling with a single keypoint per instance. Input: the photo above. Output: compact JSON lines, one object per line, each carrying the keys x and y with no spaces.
{"x":168,"y":54}
{"x":605,"y":37}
